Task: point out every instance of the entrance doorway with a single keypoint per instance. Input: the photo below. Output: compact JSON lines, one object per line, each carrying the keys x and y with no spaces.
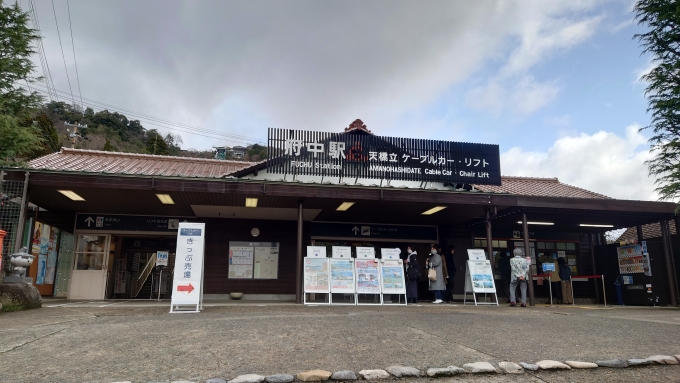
{"x":90,"y":269}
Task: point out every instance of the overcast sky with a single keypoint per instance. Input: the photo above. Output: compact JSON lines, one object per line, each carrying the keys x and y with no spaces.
{"x":554,"y":83}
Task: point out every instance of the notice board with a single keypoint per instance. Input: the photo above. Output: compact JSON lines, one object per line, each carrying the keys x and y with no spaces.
{"x":392,"y":277}
{"x":368,"y":277}
{"x":479,"y":278}
{"x":253,"y":260}
{"x":342,"y":276}
{"x":316,"y":275}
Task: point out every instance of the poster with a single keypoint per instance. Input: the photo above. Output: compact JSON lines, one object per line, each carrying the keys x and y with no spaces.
{"x":266,"y":258}
{"x":571,"y":261}
{"x":365,"y":253}
{"x":390,"y":253}
{"x":44,"y":248}
{"x":342,"y":252}
{"x":316,"y":275}
{"x":480,"y":278}
{"x":316,"y":251}
{"x":241,"y":260}
{"x":393,"y":277}
{"x":342,"y":276}
{"x":253,"y":260}
{"x":561,"y":254}
{"x":368,"y":277}
{"x":476,"y":254}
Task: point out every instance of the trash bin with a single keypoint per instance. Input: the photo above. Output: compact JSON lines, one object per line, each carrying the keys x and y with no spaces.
{"x":619,"y":290}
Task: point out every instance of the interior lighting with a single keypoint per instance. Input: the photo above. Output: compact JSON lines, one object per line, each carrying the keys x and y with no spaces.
{"x":70,"y":194}
{"x":251,"y":202}
{"x":537,"y":223}
{"x":344,"y":206}
{"x":594,"y":225}
{"x":165,"y":199}
{"x":433,"y":210}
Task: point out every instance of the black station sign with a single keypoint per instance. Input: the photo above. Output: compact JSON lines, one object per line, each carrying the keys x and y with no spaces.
{"x":126,"y":222}
{"x":349,"y":155}
{"x":369,"y":231}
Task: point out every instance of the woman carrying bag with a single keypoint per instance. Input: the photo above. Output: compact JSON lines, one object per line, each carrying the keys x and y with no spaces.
{"x":435,"y":274}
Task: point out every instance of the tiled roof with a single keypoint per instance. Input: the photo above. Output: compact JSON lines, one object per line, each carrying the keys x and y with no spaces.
{"x":80,"y":160}
{"x":653,"y":230}
{"x":545,"y":187}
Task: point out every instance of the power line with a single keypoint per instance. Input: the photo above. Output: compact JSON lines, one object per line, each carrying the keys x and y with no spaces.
{"x":62,"y":52}
{"x":68,"y":7}
{"x":41,"y":53}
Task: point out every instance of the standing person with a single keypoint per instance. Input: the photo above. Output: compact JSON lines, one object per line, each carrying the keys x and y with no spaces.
{"x":438,"y":285}
{"x":555,"y":282}
{"x":519,"y":273}
{"x":450,"y":272}
{"x":412,"y":275}
{"x":565,"y":276}
{"x":504,"y":269}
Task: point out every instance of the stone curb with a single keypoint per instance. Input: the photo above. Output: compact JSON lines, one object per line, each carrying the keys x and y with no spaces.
{"x":477,"y":368}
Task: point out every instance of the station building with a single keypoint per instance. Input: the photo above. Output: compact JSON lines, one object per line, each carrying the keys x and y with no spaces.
{"x":95,"y":220}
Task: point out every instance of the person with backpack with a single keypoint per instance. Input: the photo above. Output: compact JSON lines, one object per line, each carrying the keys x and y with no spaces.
{"x":412,"y":275}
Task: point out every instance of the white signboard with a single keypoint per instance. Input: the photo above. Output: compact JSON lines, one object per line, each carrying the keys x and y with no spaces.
{"x":316,"y":251}
{"x":365,"y":253}
{"x":479,"y":278}
{"x":476,"y":254}
{"x":392,"y":277}
{"x":241,"y":256}
{"x":342,"y":252}
{"x":368,"y":276}
{"x":187,"y":284}
{"x":161,"y":258}
{"x":316,"y":275}
{"x":266,"y":260}
{"x":342,"y":276}
{"x":390,"y":253}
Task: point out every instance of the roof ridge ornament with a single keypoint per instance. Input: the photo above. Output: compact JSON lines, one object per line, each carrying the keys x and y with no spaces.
{"x":357,"y":125}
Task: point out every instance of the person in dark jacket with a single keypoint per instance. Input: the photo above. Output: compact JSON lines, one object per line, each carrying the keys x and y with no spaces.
{"x":451,"y":271}
{"x":504,"y":270}
{"x":565,"y":276}
{"x":412,"y":275}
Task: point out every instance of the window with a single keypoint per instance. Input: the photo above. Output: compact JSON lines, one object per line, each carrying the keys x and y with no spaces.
{"x":91,"y":251}
{"x":561,"y":246}
{"x":571,"y":246}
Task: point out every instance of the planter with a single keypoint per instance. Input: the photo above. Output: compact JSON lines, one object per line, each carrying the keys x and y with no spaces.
{"x":236,"y":296}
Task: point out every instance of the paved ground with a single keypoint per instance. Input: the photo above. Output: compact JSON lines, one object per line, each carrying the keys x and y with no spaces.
{"x":139,"y":341}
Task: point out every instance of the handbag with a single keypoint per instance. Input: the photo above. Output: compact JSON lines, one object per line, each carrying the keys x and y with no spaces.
{"x":432,"y":274}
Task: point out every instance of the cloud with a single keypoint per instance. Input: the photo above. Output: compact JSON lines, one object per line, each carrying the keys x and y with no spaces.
{"x":522,"y":98}
{"x":603,"y":162}
{"x":308,"y":65}
{"x":642,"y":71}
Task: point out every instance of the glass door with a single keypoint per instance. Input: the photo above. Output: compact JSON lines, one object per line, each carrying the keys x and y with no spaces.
{"x":64,"y":264}
{"x":90,"y":269}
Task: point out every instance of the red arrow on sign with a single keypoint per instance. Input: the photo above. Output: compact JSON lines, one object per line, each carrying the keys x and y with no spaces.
{"x":188,"y":288}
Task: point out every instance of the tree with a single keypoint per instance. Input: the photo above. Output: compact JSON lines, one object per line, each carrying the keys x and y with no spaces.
{"x":17,"y":141}
{"x":662,"y":41}
{"x":50,"y":139}
{"x":108,"y":147}
{"x":155,"y":143}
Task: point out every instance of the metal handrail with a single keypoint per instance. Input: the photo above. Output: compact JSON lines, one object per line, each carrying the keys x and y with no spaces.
{"x":150,"y":264}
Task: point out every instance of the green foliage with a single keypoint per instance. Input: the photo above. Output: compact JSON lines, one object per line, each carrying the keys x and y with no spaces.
{"x":49,"y":135}
{"x":18,"y":142}
{"x":256,"y":152}
{"x":155,"y":144}
{"x":16,"y":67}
{"x":662,"y":41}
{"x":108,"y":147}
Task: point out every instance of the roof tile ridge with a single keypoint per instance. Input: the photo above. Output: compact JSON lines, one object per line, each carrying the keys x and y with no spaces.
{"x":154,"y":156}
{"x":525,"y":178}
{"x":586,"y":190}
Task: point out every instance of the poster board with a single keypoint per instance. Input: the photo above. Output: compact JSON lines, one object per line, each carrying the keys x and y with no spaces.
{"x":342,"y":276}
{"x":316,"y":278}
{"x":478,"y":277}
{"x":392,"y":277}
{"x":253,"y":260}
{"x":368,"y":276}
{"x":316,"y":251}
{"x":476,"y":254}
{"x":365,"y":252}
{"x":341,"y":252}
{"x":187,"y":283}
{"x":390,"y":253}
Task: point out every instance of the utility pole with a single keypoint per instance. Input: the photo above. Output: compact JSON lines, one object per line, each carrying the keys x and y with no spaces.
{"x":74,"y":136}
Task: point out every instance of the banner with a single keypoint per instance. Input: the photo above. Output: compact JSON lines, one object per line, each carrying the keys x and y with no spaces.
{"x":187,"y":283}
{"x":316,"y":275}
{"x":342,"y":276}
{"x":393,"y":277}
{"x":368,"y":277}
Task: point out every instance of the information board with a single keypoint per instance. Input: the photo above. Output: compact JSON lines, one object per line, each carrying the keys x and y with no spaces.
{"x":479,"y":278}
{"x":316,"y":275}
{"x":342,"y":276}
{"x":253,"y":260}
{"x":161,"y":258}
{"x":392,"y":277}
{"x":316,"y":251}
{"x":240,"y":260}
{"x":266,"y":261}
{"x":476,"y":254}
{"x":365,"y":253}
{"x":187,"y":284}
{"x":368,"y":276}
{"x":342,"y":252}
{"x":390,"y":253}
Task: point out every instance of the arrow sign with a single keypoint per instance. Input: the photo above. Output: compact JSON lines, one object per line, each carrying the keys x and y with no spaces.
{"x":89,"y":221}
{"x":188,"y":288}
{"x":355,"y":230}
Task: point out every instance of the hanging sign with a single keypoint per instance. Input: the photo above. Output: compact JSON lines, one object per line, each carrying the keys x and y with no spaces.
{"x":342,"y":276}
{"x":316,"y":275}
{"x":125,"y":222}
{"x":316,"y":251}
{"x":365,"y":252}
{"x":161,"y":258}
{"x":187,"y":284}
{"x":374,"y":232}
{"x":392,"y":277}
{"x":390,"y":253}
{"x":368,"y":277}
{"x":479,"y":278}
{"x":342,"y":252}
{"x":367,"y":156}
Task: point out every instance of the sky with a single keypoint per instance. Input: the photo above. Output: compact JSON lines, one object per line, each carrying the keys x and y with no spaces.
{"x":554,"y":83}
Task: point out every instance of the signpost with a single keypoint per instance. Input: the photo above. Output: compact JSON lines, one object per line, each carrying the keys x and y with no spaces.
{"x":479,"y":279}
{"x":187,"y":284}
{"x":161,"y":262}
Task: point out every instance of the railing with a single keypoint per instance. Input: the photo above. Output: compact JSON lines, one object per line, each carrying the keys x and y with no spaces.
{"x":139,"y":282}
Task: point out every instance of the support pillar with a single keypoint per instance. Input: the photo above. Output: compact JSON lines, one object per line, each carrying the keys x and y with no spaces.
{"x":591,"y":242}
{"x":489,"y":246}
{"x":527,"y":253}
{"x":19,"y":239}
{"x":666,"y":253}
{"x":298,"y":268}
{"x":670,"y":250}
